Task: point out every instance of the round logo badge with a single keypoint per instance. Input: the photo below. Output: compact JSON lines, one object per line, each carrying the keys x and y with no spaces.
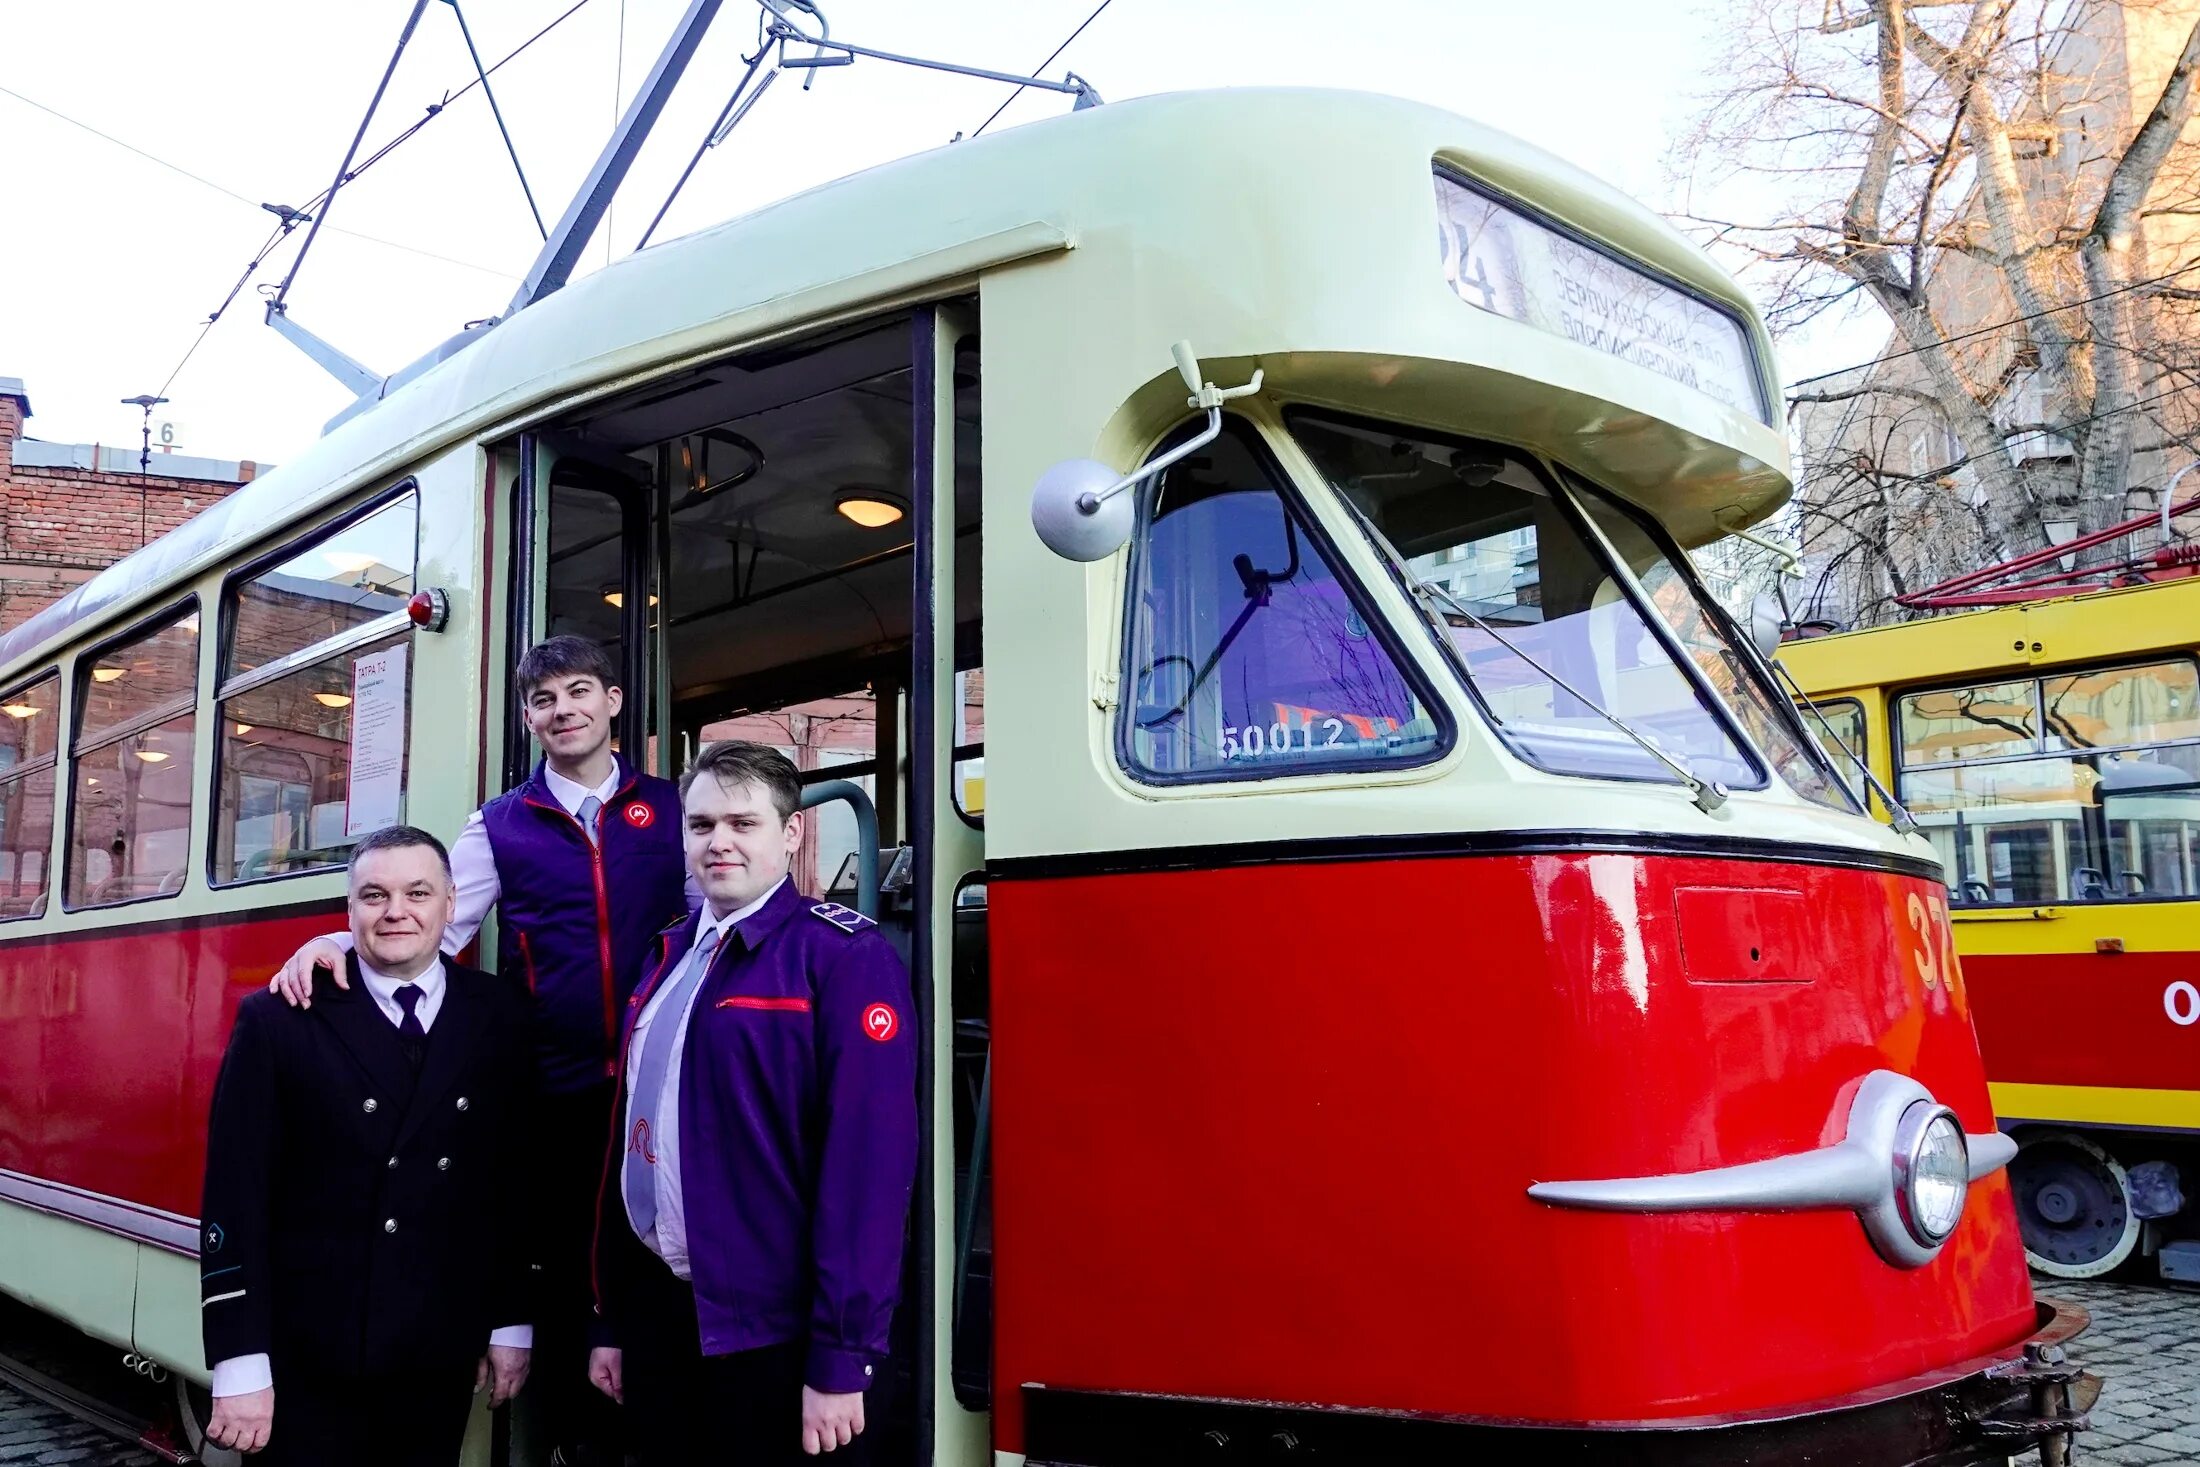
{"x":881,"y":1022}
{"x":640,"y":816}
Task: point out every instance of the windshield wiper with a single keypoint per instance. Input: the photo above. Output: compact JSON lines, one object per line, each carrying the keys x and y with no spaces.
{"x":1708,"y":794}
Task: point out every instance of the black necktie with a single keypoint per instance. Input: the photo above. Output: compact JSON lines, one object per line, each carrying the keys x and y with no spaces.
{"x":410,"y":1034}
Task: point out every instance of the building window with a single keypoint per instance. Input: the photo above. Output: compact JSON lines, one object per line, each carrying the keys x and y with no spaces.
{"x":2075,"y":787}
{"x":130,"y":790}
{"x":29,"y":740}
{"x":316,"y":699}
{"x":1249,"y":656}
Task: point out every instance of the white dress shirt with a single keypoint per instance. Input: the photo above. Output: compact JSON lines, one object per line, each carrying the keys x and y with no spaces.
{"x":474,"y":866}
{"x":243,"y":1374}
{"x":667,"y":1236}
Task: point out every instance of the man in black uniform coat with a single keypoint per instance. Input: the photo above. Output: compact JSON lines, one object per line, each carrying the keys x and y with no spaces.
{"x":364,"y":1256}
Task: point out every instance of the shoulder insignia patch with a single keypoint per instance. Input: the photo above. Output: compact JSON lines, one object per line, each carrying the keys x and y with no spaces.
{"x":847,"y":919}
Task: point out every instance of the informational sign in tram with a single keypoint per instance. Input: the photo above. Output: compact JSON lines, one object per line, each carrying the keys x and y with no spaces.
{"x":1510,"y":264}
{"x":377,"y":794}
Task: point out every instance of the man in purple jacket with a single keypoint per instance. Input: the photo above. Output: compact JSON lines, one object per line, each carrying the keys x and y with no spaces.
{"x":749,"y":1242}
{"x":583,"y":864}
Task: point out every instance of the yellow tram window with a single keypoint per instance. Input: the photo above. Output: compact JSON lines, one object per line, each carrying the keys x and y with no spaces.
{"x":2076,"y":787}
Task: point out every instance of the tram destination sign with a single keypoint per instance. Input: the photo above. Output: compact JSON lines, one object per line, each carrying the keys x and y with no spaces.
{"x":1504,"y":261}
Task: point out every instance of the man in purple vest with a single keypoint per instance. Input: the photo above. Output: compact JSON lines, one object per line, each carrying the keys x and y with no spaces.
{"x":583,"y":863}
{"x":755,"y":1200}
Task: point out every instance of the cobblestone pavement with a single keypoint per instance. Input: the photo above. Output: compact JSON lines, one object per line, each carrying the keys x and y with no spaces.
{"x":2145,"y":1342}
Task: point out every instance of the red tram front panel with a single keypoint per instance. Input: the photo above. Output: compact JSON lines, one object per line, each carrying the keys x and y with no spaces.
{"x":1265,"y":1133}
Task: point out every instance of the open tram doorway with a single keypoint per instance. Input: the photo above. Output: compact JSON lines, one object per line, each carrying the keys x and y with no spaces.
{"x":784,"y":546}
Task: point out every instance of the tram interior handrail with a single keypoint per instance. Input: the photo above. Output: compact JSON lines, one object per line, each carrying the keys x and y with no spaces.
{"x":866,"y":815}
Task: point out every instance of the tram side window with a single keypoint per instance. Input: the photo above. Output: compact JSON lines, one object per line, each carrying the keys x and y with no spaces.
{"x":29,"y":742}
{"x":315,"y":700}
{"x":2076,"y":787}
{"x":1838,"y":725}
{"x":131,"y":766}
{"x":1248,"y":655}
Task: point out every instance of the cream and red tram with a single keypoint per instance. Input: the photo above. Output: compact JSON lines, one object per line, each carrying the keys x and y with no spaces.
{"x":1397,"y":975}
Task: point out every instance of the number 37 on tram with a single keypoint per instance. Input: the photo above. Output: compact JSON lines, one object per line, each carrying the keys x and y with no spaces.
{"x":1397,"y":975}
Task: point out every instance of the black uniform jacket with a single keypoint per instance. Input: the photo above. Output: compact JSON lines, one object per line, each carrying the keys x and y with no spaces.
{"x":361,"y":1217}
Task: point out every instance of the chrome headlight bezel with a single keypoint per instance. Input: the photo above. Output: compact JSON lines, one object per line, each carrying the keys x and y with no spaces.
{"x":1913,"y":1134}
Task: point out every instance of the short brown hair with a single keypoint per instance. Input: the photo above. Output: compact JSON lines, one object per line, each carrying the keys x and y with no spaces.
{"x":399,"y":838}
{"x":566,"y":656}
{"x":738,"y":761}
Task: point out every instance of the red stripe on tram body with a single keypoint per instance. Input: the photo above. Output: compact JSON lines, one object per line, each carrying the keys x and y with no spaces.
{"x":110,"y":1042}
{"x":2088,"y":1018}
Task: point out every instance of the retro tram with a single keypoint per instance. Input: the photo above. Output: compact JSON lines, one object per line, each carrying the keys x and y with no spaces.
{"x":1413,"y":985}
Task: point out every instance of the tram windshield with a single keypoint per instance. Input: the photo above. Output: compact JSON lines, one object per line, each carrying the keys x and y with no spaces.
{"x":1541,"y":623}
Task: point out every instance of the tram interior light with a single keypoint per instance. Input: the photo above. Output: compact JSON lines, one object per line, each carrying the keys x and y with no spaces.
{"x":106,"y":674}
{"x":20,"y":710}
{"x":870,"y":508}
{"x":333,"y":700}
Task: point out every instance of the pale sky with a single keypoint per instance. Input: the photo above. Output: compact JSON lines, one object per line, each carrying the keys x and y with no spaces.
{"x":109,"y":262}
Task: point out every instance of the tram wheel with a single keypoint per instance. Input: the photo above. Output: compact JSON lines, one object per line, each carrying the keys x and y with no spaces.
{"x":2073,"y":1206}
{"x":194,"y":1407}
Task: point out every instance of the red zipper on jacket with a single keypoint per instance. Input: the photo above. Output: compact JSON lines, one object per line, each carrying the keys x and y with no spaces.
{"x":603,"y":910}
{"x":526,"y":957}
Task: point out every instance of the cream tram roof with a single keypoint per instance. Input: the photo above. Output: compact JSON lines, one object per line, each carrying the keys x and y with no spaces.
{"x":1292,"y":226}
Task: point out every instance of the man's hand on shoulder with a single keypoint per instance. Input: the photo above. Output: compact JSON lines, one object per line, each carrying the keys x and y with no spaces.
{"x":830,"y":1421}
{"x":243,"y":1423}
{"x":295,"y":981}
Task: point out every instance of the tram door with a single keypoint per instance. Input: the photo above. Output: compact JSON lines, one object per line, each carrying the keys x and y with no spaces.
{"x":784,"y":547}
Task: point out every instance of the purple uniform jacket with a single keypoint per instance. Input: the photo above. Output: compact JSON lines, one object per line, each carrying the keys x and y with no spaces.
{"x":798,"y":1139}
{"x":580,"y":921}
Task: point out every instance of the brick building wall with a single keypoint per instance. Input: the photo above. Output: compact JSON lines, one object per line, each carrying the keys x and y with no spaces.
{"x":68,"y":512}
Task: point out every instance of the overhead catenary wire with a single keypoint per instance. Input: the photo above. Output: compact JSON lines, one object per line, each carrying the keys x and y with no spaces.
{"x":227,"y":192}
{"x":1042,"y":66}
{"x":283,"y":230}
{"x":1993,"y":326}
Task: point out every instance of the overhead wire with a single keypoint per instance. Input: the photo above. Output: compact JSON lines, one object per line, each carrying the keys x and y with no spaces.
{"x":1042,"y":66}
{"x":2001,"y":325}
{"x":288,"y":224}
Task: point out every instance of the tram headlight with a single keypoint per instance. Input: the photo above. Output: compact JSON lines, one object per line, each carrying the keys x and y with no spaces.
{"x":1932,"y":1171}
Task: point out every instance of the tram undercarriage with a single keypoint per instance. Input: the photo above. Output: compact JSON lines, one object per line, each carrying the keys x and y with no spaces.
{"x":1978,"y":1412}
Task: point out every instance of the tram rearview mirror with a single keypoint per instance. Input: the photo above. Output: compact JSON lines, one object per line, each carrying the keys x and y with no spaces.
{"x":1767,"y":620}
{"x":1068,"y":519}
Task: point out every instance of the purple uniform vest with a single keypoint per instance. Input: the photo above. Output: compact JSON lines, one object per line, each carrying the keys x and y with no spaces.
{"x":579,"y":922}
{"x":798,"y":1136}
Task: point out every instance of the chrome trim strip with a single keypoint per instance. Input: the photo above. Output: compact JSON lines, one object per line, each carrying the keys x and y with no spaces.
{"x":388,"y":624}
{"x":1989,"y":1153}
{"x":1857,"y":1174}
{"x":167,"y":1230}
